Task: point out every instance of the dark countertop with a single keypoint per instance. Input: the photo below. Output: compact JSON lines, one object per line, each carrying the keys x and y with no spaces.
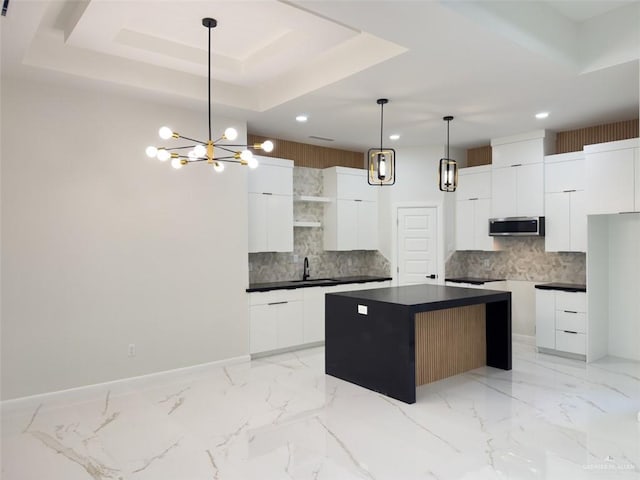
{"x":473,"y":280}
{"x":565,"y":287}
{"x":323,"y":282}
{"x":423,"y":298}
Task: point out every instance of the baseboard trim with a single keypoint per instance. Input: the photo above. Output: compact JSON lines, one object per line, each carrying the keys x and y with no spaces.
{"x":119,"y":384}
{"x":526,"y":339}
{"x":278,"y":351}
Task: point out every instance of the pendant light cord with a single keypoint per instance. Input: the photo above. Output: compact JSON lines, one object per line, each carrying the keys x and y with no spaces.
{"x":381,"y":123}
{"x":209,"y":81}
{"x":448,"y":122}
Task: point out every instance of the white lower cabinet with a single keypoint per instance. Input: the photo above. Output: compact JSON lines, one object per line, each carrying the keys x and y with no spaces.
{"x":275,"y":320}
{"x":561,"y":321}
{"x":290,"y":318}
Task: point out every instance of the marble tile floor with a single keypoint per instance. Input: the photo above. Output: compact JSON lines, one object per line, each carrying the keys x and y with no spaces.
{"x":282,"y":418}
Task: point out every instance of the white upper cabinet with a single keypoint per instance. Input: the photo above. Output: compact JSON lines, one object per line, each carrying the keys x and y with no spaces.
{"x":564,"y":172}
{"x":611,"y":177}
{"x":565,"y":208}
{"x":637,"y":182}
{"x":351,"y":219}
{"x":522,"y":149}
{"x":473,"y":208}
{"x":517,"y":180}
{"x":271,"y":206}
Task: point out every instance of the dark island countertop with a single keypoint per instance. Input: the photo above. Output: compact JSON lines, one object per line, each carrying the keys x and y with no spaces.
{"x":425,"y":297}
{"x":314,"y":282}
{"x":473,"y":280}
{"x":564,"y":287}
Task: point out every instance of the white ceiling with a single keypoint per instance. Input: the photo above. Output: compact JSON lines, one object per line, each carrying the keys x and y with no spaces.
{"x":490,"y":64}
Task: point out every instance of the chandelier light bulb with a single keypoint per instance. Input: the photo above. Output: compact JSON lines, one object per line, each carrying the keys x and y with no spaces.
{"x":246,"y":155}
{"x":165,"y":133}
{"x":230,"y":133}
{"x":200,"y":150}
{"x":151,"y":151}
{"x":163,"y":155}
{"x":176,"y":163}
{"x":218,"y":167}
{"x":252,"y":162}
{"x":267,"y":146}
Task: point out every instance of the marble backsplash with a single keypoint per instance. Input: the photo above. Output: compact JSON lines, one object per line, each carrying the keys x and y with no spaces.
{"x":519,"y":259}
{"x":307,"y":242}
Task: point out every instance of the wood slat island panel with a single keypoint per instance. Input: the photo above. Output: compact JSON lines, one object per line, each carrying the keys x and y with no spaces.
{"x":449,"y":342}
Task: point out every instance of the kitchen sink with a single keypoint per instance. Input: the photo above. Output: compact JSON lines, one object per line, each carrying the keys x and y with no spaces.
{"x":314,"y":280}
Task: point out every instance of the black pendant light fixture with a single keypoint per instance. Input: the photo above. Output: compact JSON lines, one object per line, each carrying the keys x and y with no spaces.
{"x":205,"y":151}
{"x":381,"y":163}
{"x":448,"y":170}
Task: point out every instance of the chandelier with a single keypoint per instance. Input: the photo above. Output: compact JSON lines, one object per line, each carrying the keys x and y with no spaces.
{"x":205,"y":151}
{"x":381,"y":162}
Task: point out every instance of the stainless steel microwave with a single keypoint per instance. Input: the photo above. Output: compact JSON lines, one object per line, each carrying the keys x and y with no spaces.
{"x":516,"y":226}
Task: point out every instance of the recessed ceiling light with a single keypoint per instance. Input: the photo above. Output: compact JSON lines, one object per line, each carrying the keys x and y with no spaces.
{"x":542,"y":115}
{"x":302,"y":118}
{"x":395,"y":136}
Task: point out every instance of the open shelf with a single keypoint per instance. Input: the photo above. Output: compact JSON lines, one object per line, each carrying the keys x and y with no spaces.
{"x":311,"y":198}
{"x":306,"y":224}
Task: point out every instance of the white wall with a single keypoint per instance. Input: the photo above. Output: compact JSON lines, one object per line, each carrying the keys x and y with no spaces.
{"x":624,"y":286}
{"x":417,"y":181}
{"x":103,"y":247}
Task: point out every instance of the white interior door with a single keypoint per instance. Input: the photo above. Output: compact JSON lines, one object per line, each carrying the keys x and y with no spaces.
{"x":417,"y":245}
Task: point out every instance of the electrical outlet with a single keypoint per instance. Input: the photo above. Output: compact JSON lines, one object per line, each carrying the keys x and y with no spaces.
{"x":486,"y":263}
{"x":132,"y":350}
{"x":296,"y":258}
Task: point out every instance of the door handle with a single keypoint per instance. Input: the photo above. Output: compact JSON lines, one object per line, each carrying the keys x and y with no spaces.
{"x":433,"y":276}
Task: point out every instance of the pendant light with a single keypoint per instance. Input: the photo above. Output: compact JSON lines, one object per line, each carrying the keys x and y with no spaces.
{"x":200,"y":151}
{"x":448,"y":170}
{"x":381,"y":163}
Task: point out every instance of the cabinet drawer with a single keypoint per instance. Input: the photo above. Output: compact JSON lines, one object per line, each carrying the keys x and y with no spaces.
{"x":571,"y":301}
{"x":274,"y":296}
{"x":571,"y":342}
{"x":574,"y":322}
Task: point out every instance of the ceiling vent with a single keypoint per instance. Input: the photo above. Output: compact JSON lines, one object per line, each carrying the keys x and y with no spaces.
{"x":324,"y":139}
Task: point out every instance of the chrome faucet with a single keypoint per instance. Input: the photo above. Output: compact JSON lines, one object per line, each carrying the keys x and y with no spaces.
{"x":305,"y":273}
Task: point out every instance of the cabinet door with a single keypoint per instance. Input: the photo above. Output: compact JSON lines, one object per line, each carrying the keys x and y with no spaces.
{"x":465,"y":220}
{"x":563,"y":176}
{"x":257,"y":210}
{"x":263,"y":335}
{"x":280,"y":223}
{"x":578,"y":222}
{"x":610,"y":182}
{"x":313,"y":330}
{"x":545,"y":319}
{"x":290,"y":324}
{"x":347,"y":225}
{"x":474,"y":185}
{"x":524,"y":152}
{"x":367,"y":235}
{"x":482,"y":213}
{"x":503,"y":192}
{"x":271,"y":179}
{"x":557,"y":222}
{"x":530,"y":190}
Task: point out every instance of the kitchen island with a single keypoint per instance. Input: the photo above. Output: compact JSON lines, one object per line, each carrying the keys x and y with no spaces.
{"x":391,"y":340}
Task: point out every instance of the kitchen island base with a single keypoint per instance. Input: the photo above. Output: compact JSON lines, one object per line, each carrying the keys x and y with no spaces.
{"x":392,"y":339}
